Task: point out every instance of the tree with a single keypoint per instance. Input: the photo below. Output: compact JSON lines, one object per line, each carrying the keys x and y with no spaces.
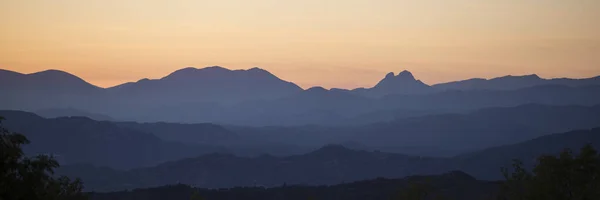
{"x":420,"y":190}
{"x":25,"y":178}
{"x":196,"y":195}
{"x":562,"y":177}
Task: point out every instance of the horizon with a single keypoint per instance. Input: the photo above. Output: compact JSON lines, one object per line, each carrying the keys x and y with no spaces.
{"x":303,"y":87}
{"x":333,"y":44}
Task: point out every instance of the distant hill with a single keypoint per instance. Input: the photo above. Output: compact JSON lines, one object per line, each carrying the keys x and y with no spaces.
{"x":206,"y":85}
{"x":428,"y":134}
{"x":438,"y":134}
{"x":318,"y":106}
{"x":514,"y":82}
{"x":332,"y":164}
{"x":45,"y":89}
{"x":48,"y":82}
{"x":450,"y":185}
{"x":72,"y":112}
{"x":313,"y":106}
{"x":185,"y":133}
{"x":482,"y":163}
{"x":255,"y":97}
{"x":477,"y":99}
{"x":403,"y":83}
{"x":56,"y":89}
{"x":479,"y":129}
{"x":102,"y":143}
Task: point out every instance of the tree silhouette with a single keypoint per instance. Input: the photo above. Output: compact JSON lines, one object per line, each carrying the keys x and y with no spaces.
{"x":24,"y":178}
{"x":562,"y":177}
{"x":196,"y":195}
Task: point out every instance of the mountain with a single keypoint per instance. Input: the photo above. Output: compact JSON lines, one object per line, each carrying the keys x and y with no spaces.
{"x":331,"y":164}
{"x":48,"y":82}
{"x":482,"y":163}
{"x":318,"y":106}
{"x":46,"y":89}
{"x":403,"y":83}
{"x":514,"y":82}
{"x":457,"y":101}
{"x":255,"y":97}
{"x":431,"y":134}
{"x":200,"y":88}
{"x":446,"y":134}
{"x":451,"y":185}
{"x":313,"y":106}
{"x":72,"y":112}
{"x":475,"y":130}
{"x":102,"y":143}
{"x":328,"y":165}
{"x":186,"y":133}
{"x":206,"y":85}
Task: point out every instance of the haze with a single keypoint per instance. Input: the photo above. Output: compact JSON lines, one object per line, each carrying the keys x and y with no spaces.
{"x":331,"y":43}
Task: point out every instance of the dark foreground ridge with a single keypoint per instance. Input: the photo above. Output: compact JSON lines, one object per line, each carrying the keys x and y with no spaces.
{"x":451,"y":185}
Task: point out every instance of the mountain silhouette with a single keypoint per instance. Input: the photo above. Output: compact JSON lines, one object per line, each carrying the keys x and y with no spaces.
{"x":101,"y":143}
{"x":403,"y":83}
{"x":256,"y":97}
{"x":48,"y":82}
{"x":44,"y":90}
{"x":331,"y":164}
{"x":514,"y":82}
{"x":482,"y":163}
{"x":207,"y":84}
{"x":442,"y":134}
{"x":72,"y":112}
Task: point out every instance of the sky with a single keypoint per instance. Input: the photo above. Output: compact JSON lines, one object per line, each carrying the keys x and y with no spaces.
{"x":329,"y":43}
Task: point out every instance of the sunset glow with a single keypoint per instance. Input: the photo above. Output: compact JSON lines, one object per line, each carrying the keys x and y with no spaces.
{"x":331,"y":43}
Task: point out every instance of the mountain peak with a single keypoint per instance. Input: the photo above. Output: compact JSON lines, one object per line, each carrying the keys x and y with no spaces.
{"x":55,"y":76}
{"x":529,"y":76}
{"x":406,"y":75}
{"x":53,"y":72}
{"x":532,"y":76}
{"x":257,"y":69}
{"x":317,"y":88}
{"x":6,"y":75}
{"x":390,"y":75}
{"x":184,"y":71}
{"x":403,"y":83}
{"x":403,"y":75}
{"x":192,"y":72}
{"x":216,"y":68}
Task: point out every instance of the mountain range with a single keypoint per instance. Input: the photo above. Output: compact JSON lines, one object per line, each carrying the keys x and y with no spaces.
{"x":514,"y":82}
{"x":258,"y":98}
{"x":331,"y":164}
{"x":125,"y":145}
{"x":102,"y":143}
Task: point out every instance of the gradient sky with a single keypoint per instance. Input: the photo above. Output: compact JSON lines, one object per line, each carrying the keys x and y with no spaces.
{"x":332,"y":43}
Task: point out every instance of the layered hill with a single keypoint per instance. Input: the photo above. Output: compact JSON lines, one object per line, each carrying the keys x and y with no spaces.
{"x":255,"y":97}
{"x":101,"y":143}
{"x":332,"y":164}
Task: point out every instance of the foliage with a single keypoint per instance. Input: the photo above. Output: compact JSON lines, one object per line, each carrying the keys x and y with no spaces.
{"x":196,"y":196}
{"x":31,"y":178}
{"x":562,"y":177}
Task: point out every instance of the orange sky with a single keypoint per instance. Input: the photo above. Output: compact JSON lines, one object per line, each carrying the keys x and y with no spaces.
{"x":332,"y":43}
